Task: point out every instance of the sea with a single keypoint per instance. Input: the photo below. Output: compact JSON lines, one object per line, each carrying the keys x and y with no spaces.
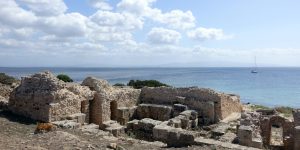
{"x":269,"y":87}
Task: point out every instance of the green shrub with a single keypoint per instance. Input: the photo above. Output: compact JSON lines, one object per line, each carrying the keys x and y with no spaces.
{"x":287,"y":111}
{"x":64,"y":78}
{"x":119,"y":84}
{"x":138,"y":84}
{"x":5,"y":79}
{"x":257,"y":107}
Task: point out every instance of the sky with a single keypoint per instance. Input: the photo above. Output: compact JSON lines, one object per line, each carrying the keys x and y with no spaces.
{"x":149,"y":33}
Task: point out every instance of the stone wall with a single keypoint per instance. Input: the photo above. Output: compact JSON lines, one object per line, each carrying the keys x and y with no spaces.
{"x":45,"y":98}
{"x":5,"y":90}
{"x":108,"y":99}
{"x":210,"y":104}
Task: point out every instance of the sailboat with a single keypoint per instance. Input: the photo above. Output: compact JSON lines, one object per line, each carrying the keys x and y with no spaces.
{"x":255,"y":68}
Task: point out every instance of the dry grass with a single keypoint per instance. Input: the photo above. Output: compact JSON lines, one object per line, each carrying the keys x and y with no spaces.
{"x":44,"y":127}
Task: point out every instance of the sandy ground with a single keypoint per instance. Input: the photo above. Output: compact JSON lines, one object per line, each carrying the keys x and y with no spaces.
{"x":18,"y":133}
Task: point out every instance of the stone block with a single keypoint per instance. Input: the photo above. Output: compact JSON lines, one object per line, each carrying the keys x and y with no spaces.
{"x":132,"y":125}
{"x":245,"y":135}
{"x":153,"y":111}
{"x":79,"y":118}
{"x":296,"y":115}
{"x":148,"y":124}
{"x":124,"y":114}
{"x":190,"y":114}
{"x":181,"y":138}
{"x":160,"y":132}
{"x":297,"y":137}
{"x":178,"y":108}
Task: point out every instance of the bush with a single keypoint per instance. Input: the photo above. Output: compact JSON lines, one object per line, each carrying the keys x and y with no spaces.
{"x":64,"y":78}
{"x":287,"y":111}
{"x":138,"y":84}
{"x":5,"y":79}
{"x":119,"y":84}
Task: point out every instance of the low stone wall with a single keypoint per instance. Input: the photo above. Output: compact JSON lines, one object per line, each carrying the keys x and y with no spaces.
{"x":211,"y":105}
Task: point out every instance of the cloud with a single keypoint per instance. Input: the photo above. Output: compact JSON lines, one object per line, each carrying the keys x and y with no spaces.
{"x":13,"y":15}
{"x":175,"y":19}
{"x":137,"y":7}
{"x":100,"y":4}
{"x":43,"y":28}
{"x":64,"y":25}
{"x":46,"y":7}
{"x":202,"y":34}
{"x":163,"y":36}
{"x":121,"y":21}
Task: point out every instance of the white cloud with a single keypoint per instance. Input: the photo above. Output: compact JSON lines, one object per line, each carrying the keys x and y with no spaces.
{"x":100,"y":4}
{"x":39,"y":28}
{"x":202,"y":34}
{"x":46,"y":7}
{"x":123,"y":21}
{"x":65,"y":25}
{"x":177,"y":19}
{"x":163,"y":36}
{"x":13,"y":15}
{"x":137,"y":7}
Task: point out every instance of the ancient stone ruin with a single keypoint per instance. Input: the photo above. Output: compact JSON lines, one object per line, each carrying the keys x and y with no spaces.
{"x":176,"y":116}
{"x":45,"y":98}
{"x":265,"y":128}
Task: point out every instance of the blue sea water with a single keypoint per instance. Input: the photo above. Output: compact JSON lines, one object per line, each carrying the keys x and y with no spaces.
{"x":271,"y":86}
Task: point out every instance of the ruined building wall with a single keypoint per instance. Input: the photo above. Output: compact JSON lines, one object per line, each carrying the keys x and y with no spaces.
{"x":43,"y":97}
{"x":109,"y":99}
{"x":210,"y":104}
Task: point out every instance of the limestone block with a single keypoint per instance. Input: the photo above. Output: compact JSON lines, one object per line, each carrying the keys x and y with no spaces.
{"x":79,"y":118}
{"x":124,"y":114}
{"x":296,"y":115}
{"x":297,"y":137}
{"x":132,"y":125}
{"x":180,"y":138}
{"x":245,"y":135}
{"x":178,"y":108}
{"x":116,"y":130}
{"x":156,"y":112}
{"x":148,"y":124}
{"x":176,"y":122}
{"x":160,"y":132}
{"x":190,"y":114}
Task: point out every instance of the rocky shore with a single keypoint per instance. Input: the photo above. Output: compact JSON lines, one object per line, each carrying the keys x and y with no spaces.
{"x":43,"y":112}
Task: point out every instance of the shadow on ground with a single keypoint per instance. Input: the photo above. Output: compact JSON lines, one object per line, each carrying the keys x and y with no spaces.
{"x":16,"y":118}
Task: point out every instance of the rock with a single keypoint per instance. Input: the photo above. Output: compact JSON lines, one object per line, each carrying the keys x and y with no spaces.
{"x":220,"y":130}
{"x":112,"y":146}
{"x":3,"y":103}
{"x":114,"y":128}
{"x":67,"y":124}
